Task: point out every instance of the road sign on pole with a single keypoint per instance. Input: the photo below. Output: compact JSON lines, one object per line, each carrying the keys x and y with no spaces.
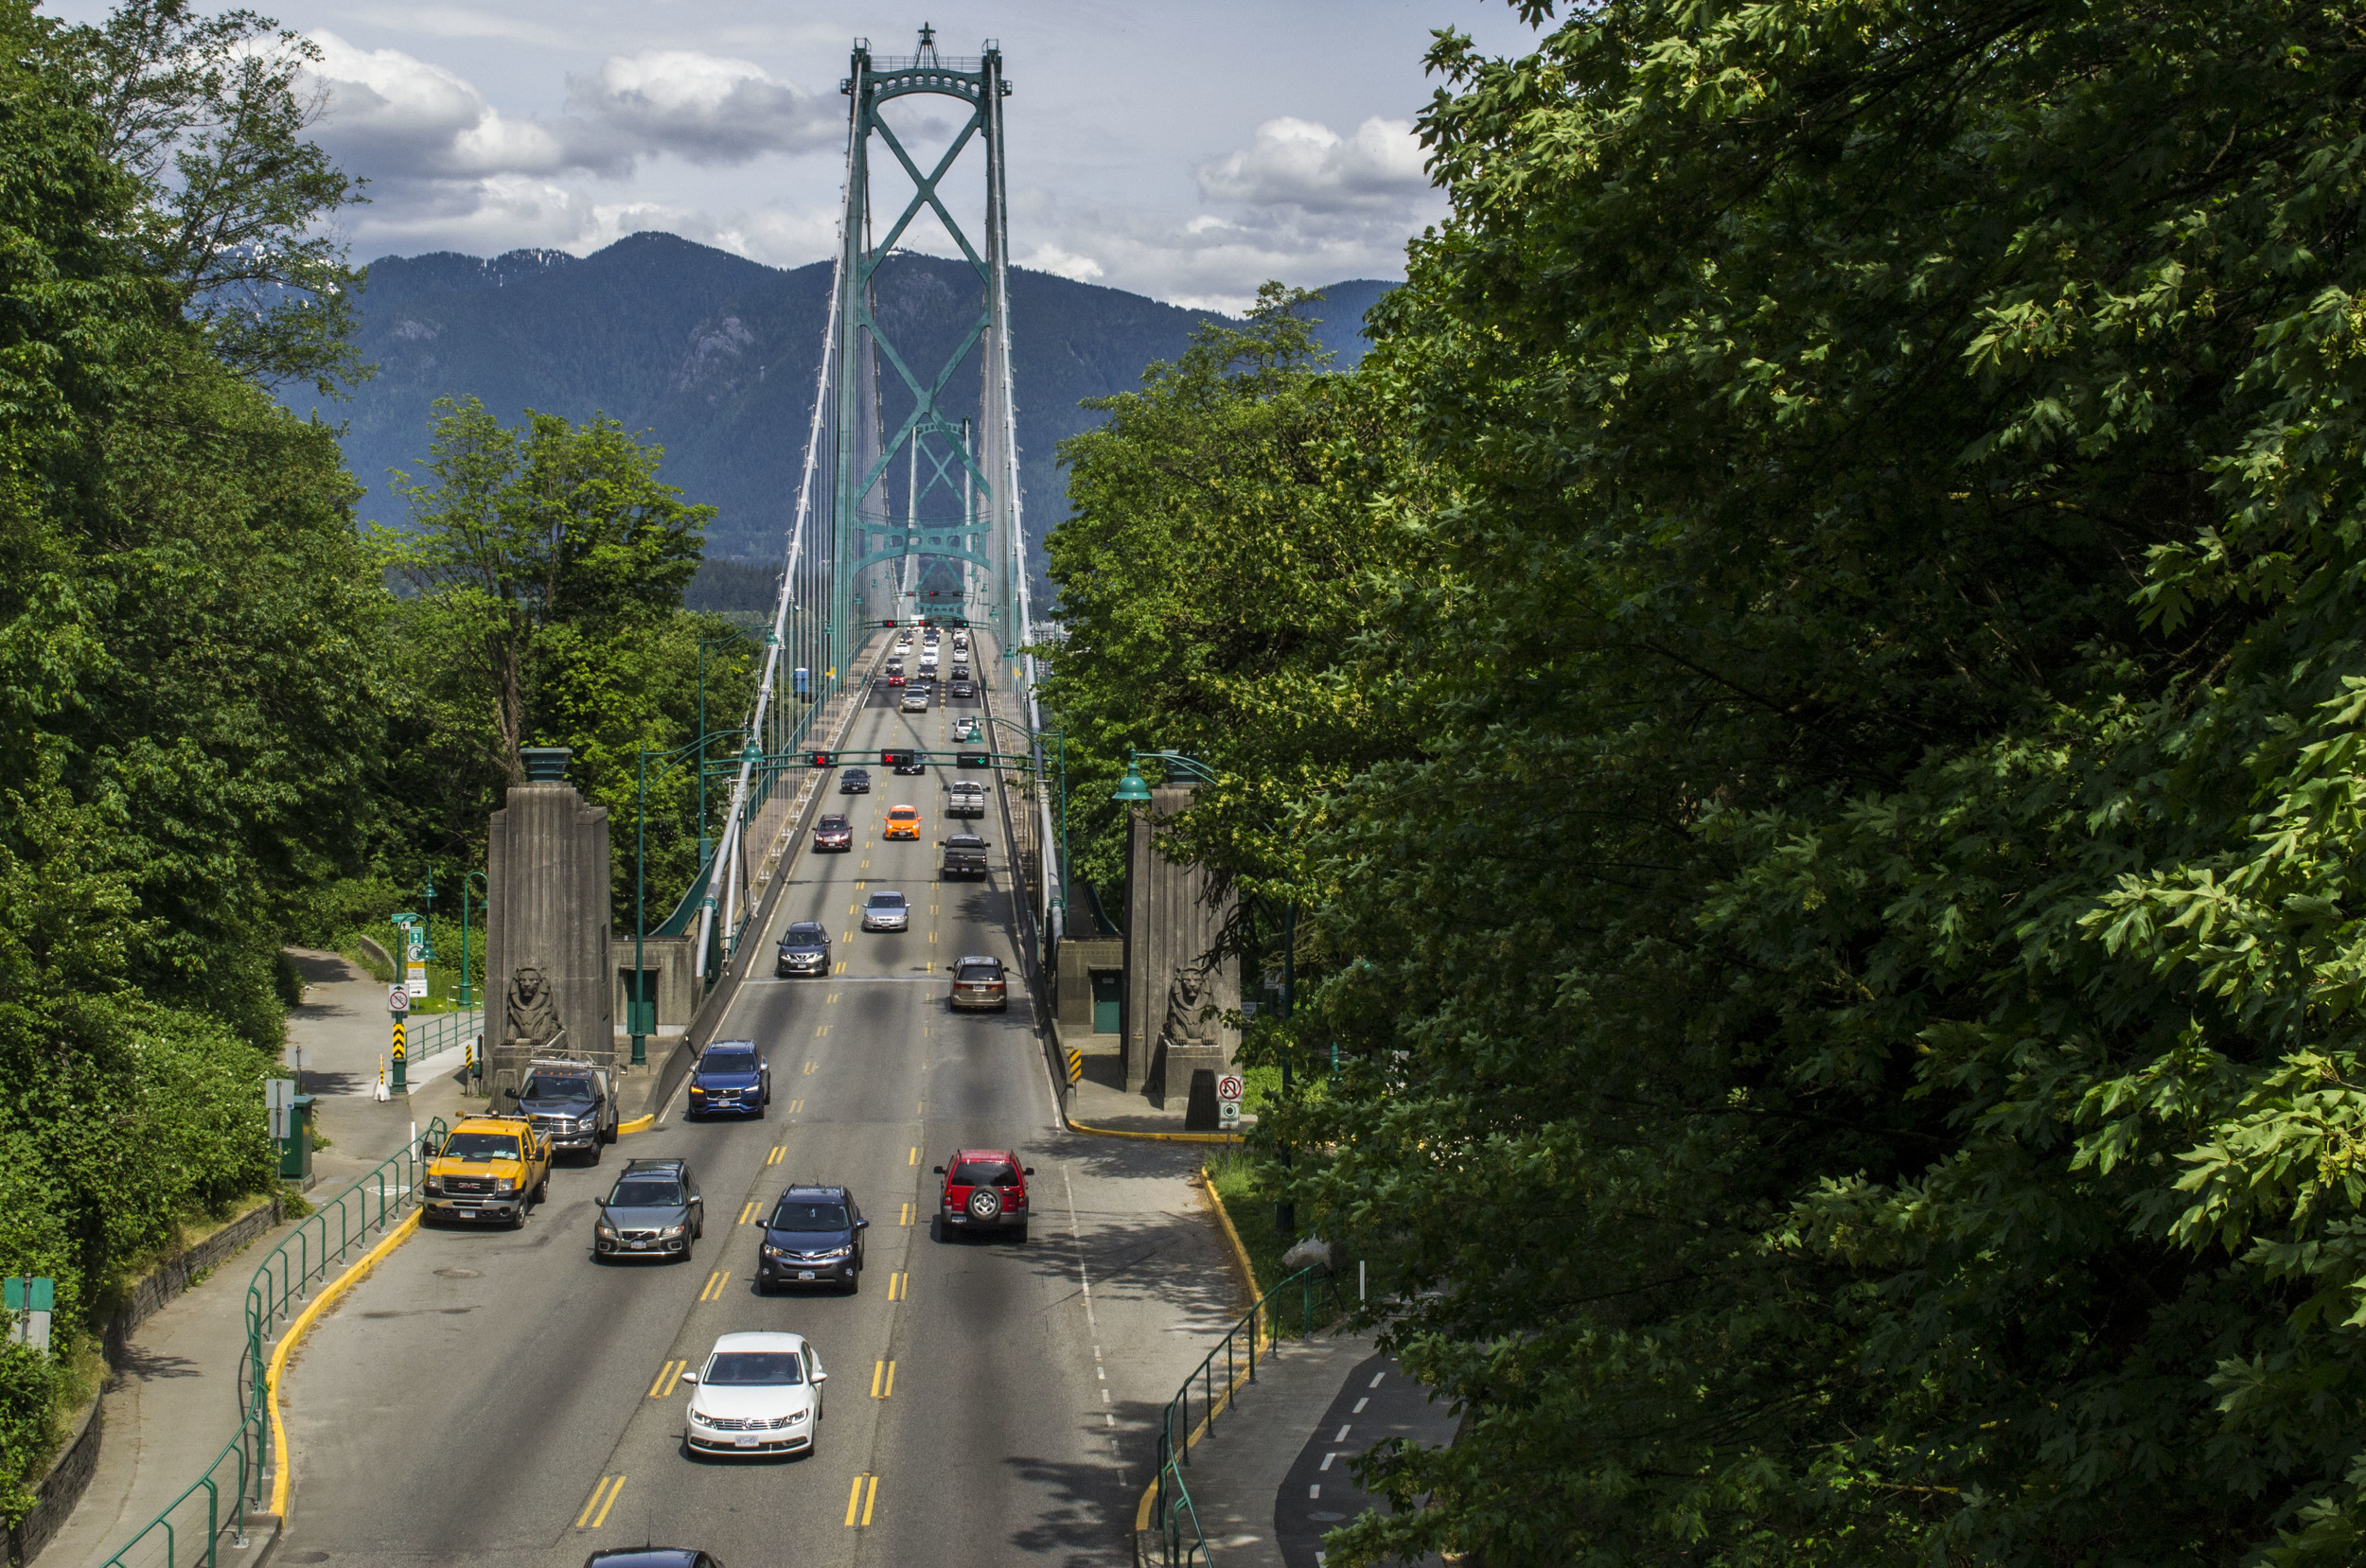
{"x":28,"y":1301}
{"x":399,"y":998}
{"x":1228,"y":1092}
{"x":279,"y":1099}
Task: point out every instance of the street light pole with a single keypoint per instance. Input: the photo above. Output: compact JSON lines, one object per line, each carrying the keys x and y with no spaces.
{"x":467,"y":994}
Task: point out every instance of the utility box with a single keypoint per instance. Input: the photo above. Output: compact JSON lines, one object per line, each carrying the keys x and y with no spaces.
{"x":295,"y":1149}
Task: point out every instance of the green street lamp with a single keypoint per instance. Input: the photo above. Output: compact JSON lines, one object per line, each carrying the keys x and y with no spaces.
{"x":643,"y":1006}
{"x":1131,"y":790}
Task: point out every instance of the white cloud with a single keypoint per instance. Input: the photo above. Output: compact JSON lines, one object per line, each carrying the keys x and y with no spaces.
{"x":1050,"y":258}
{"x":707,"y":109}
{"x":392,"y":116}
{"x":1299,"y":164}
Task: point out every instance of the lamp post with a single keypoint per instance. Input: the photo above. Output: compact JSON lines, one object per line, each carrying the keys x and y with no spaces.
{"x":669,"y":760}
{"x":467,"y":994}
{"x":1059,"y":755}
{"x":704,"y":644}
{"x":1131,"y":792}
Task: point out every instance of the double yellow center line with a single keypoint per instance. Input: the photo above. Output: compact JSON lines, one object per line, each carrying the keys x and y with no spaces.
{"x":604,"y":1497}
{"x":859,"y":1498}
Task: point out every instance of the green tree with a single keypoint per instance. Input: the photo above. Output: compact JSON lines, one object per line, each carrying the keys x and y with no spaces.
{"x":1848,"y":1033}
{"x":547,"y":565}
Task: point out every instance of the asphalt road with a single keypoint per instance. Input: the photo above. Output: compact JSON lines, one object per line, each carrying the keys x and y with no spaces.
{"x":500,"y":1397}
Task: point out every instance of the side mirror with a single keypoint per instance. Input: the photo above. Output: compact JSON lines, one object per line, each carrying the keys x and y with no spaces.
{"x":510,"y":1093}
{"x":939,"y":1170}
{"x":601,"y":1202}
{"x":821,"y":1377}
{"x":690,"y":1377}
{"x":862,"y":1225}
{"x":1027,"y":1170}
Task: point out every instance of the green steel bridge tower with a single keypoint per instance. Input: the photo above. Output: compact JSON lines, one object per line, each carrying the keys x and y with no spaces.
{"x":854,"y":564}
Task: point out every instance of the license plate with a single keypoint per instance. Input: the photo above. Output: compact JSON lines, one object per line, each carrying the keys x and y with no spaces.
{"x":639,"y":1247}
{"x":745,"y":1439}
{"x":805,"y":1273}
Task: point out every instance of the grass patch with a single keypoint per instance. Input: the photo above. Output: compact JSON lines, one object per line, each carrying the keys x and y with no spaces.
{"x":1232,"y":1173}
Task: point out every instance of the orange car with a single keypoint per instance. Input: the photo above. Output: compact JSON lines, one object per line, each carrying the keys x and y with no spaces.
{"x":903,"y":822}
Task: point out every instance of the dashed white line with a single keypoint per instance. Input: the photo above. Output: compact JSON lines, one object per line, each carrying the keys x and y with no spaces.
{"x":1327,"y":1458}
{"x":1360,"y":1405}
{"x":1343,"y":1436}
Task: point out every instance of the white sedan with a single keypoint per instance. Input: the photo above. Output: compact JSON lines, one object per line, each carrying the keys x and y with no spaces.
{"x":759,"y":1393}
{"x":914,"y":702}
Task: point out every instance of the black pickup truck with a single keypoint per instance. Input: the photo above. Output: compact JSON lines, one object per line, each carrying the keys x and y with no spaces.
{"x":964,"y":855}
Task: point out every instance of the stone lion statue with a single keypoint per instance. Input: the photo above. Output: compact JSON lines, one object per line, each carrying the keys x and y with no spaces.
{"x":1186,"y":999}
{"x":533,"y":1014}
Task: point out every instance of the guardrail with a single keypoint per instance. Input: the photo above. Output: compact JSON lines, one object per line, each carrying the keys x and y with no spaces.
{"x":1174,"y":1518}
{"x":192,"y":1527}
{"x":428,"y":1034}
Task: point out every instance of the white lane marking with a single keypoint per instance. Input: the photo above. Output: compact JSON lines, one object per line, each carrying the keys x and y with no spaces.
{"x":1327,"y":1458}
{"x":1376,"y":1376}
{"x":1359,"y":1405}
{"x":1313,"y":1491}
{"x":1343,"y":1435}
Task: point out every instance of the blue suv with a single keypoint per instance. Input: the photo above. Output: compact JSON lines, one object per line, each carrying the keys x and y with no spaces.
{"x":731,"y":1076}
{"x":812,"y":1237}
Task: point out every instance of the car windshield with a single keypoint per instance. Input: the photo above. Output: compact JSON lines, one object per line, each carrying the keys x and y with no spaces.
{"x":984,"y":1172}
{"x":809,"y":1216}
{"x":646,"y":1192}
{"x":759,"y":1368}
{"x":718,"y":1060}
{"x":804,"y":934}
{"x":481,"y":1146}
{"x":858,"y":772}
{"x":542,"y":1086}
{"x":886,"y":901}
{"x":904,"y":814}
{"x":980,"y":972}
{"x":833,"y":824}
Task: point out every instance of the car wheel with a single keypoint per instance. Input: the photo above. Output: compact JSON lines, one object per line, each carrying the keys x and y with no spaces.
{"x":1020,"y":1235}
{"x":986,"y":1206}
{"x":543,"y":1189}
{"x":517,"y":1218}
{"x":595,"y":1150}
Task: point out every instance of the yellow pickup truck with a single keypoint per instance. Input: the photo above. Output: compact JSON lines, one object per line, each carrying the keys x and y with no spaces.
{"x":490,"y":1168}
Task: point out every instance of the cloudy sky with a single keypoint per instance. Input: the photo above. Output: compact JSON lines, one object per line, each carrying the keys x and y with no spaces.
{"x":1182,"y":148}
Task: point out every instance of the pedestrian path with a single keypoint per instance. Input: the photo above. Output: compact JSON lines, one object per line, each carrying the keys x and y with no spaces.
{"x":172,"y":1401}
{"x":1271,"y":1475}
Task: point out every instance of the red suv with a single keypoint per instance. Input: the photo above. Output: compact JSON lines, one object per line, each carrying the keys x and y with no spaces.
{"x":985,"y":1190}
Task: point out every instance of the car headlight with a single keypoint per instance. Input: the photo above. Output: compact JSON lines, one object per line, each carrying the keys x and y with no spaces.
{"x":771,"y":1251}
{"x":436,"y":1185}
{"x":503,"y":1184}
{"x":796,"y":1416}
{"x":605,"y":1230}
{"x":832,"y":1254}
{"x":671,"y":1231}
{"x":697,"y":1093}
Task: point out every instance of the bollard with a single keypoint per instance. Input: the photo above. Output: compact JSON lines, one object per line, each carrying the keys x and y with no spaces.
{"x":380,"y":1093}
{"x":401,"y":1082}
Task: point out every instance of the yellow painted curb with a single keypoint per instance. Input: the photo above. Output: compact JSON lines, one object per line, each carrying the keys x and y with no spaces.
{"x":638,"y":1124}
{"x":1155,"y":1137}
{"x":1224,"y":1218}
{"x":297,"y":1330}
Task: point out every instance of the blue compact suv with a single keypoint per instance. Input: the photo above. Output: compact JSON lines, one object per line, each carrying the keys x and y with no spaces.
{"x":812,"y":1237}
{"x":731,"y":1076}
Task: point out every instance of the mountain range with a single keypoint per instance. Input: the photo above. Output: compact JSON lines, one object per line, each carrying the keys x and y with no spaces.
{"x":715,"y":358}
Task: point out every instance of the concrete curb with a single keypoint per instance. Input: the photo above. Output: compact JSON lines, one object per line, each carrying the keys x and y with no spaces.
{"x":638,"y":1124}
{"x":282,"y":1477}
{"x":1155,"y":1137}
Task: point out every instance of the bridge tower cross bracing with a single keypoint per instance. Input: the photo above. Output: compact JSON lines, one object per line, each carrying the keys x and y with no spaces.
{"x":852,"y":564}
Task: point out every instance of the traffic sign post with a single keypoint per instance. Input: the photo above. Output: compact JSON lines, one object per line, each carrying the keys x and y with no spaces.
{"x":1229,"y":1088}
{"x":398,"y":1007}
{"x":29,"y":1300}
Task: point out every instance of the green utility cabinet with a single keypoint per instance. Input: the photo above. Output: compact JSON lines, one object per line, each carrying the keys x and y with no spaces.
{"x":295,"y":1150}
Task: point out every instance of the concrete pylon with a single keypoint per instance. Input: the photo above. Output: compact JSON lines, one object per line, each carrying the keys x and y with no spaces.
{"x":1175,"y":983}
{"x":548,"y":973}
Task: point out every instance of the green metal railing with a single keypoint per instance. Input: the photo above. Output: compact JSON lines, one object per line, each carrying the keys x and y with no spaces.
{"x":191,"y":1528}
{"x":430,"y":1033}
{"x":1173,"y":1516}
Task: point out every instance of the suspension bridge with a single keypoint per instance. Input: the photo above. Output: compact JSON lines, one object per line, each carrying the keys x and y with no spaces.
{"x":913,"y":513}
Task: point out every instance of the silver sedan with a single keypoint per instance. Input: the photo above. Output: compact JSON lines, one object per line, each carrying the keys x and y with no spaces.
{"x":887,"y":912}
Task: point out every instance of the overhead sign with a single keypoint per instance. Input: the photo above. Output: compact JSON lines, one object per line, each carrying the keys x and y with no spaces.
{"x":399,"y":998}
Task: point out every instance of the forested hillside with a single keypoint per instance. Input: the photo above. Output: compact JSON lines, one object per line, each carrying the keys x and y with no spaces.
{"x":715,"y":357}
{"x":1807,"y":700}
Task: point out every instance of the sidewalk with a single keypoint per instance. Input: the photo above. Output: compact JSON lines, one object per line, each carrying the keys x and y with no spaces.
{"x":172,"y":1401}
{"x":1271,"y":1476}
{"x":1099,"y":1101}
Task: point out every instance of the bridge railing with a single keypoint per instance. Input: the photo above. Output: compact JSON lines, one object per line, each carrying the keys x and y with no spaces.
{"x":219,"y":1505}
